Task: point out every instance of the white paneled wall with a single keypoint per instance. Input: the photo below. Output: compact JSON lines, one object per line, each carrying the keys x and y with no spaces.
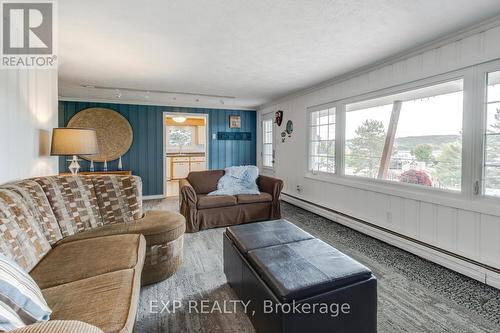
{"x":460,"y":226}
{"x":28,"y":112}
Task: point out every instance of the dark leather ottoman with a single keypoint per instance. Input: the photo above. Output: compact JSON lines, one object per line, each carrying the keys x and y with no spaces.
{"x":297,"y":283}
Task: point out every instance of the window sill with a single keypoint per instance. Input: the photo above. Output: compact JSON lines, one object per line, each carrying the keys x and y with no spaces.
{"x":458,"y":200}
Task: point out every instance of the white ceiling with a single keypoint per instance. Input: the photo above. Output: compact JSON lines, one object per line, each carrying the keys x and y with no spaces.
{"x":254,"y":50}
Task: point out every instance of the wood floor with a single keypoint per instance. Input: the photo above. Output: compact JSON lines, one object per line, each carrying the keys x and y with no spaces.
{"x":414,"y":295}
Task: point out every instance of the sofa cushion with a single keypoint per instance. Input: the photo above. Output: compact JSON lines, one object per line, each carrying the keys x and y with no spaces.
{"x":85,"y":258}
{"x":73,"y":201}
{"x":158,"y":227}
{"x":215,"y":201}
{"x":21,"y":237}
{"x":205,"y":182}
{"x":252,"y":198}
{"x":59,"y":326}
{"x":108,"y":301}
{"x":322,"y":268}
{"x":34,"y":196}
{"x":118,"y":198}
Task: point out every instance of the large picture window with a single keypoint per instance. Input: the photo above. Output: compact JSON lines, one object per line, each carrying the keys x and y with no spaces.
{"x":491,"y":170}
{"x":267,"y":143}
{"x":412,"y":137}
{"x":322,"y":141}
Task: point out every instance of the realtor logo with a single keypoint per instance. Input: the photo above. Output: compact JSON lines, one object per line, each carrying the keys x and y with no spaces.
{"x":28,"y":34}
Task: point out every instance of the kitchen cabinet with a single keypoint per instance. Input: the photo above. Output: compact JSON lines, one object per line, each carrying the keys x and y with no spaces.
{"x":180,"y":169}
{"x":198,"y":166}
{"x":169,"y":168}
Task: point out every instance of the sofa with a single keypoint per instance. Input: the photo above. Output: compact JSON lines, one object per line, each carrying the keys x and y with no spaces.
{"x":88,"y":245}
{"x":203,"y":211}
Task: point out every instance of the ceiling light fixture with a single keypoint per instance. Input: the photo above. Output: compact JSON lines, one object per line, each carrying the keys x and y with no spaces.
{"x":179,"y":119}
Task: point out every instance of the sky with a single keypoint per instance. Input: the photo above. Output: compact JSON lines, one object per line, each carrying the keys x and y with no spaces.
{"x":439,"y":115}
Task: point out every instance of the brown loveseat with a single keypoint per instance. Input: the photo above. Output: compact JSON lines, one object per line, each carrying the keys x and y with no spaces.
{"x":89,"y":247}
{"x":203,"y":211}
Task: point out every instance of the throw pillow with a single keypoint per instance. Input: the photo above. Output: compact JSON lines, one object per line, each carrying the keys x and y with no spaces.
{"x":21,"y":293}
{"x":9,"y":320}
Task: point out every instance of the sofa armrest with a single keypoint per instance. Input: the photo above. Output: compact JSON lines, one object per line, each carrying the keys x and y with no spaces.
{"x":188,"y":194}
{"x":270,"y":185}
{"x":58,"y":326}
{"x":187,"y":205}
{"x":273,"y":186}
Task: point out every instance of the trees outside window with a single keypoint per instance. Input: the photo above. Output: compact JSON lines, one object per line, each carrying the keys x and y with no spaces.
{"x":422,"y":129}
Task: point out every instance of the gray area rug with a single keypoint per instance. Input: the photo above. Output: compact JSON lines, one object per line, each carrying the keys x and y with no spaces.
{"x":414,"y":295}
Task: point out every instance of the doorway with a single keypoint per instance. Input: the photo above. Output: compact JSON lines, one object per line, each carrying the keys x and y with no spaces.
{"x":185,"y":148}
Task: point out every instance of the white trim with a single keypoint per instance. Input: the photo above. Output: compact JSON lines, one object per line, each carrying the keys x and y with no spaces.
{"x":309,"y":112}
{"x":152,"y":103}
{"x":439,"y":42}
{"x":410,"y":191}
{"x":207,"y":143}
{"x":459,"y":74}
{"x":154,"y":197}
{"x":482,"y":85}
{"x":461,"y":266}
{"x":378,"y":185}
{"x":321,"y":107}
{"x":268,"y":117}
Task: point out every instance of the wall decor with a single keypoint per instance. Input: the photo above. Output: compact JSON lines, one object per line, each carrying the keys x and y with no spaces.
{"x":114,"y":133}
{"x":289,"y":128}
{"x":145,"y":156}
{"x":120,"y":164}
{"x":278,"y":117}
{"x":283,"y":136}
{"x":238,"y":136}
{"x":234,"y":121}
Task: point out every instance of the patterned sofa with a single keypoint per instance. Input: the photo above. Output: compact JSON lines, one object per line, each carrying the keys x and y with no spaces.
{"x":89,"y":247}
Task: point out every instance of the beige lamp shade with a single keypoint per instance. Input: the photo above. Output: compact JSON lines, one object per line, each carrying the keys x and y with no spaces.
{"x":74,"y":141}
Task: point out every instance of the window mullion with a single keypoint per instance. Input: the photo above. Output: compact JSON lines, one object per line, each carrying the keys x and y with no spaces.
{"x":474,"y":120}
{"x":339,"y":139}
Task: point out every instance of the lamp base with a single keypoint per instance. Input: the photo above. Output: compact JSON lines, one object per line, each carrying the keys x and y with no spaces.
{"x":74,"y":167}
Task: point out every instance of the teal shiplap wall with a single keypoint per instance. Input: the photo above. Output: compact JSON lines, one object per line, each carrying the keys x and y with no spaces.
{"x":145,"y":157}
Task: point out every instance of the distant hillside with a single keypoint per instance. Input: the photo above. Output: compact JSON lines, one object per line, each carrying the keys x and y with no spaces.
{"x":409,"y":142}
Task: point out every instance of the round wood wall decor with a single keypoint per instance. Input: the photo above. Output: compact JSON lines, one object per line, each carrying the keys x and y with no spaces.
{"x":114,"y":133}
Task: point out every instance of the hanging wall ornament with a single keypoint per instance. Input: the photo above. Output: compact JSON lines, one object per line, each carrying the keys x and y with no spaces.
{"x":278,"y":117}
{"x":289,"y":128}
{"x":283,"y":136}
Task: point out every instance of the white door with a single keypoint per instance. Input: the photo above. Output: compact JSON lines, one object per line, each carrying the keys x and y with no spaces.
{"x":267,"y":152}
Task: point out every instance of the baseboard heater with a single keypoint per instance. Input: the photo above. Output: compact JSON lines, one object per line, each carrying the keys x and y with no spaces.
{"x":393,"y":233}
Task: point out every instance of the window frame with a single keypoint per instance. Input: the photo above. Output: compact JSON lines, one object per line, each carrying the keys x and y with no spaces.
{"x":481,"y":84}
{"x":265,"y":118}
{"x":309,"y":113}
{"x":414,"y":191}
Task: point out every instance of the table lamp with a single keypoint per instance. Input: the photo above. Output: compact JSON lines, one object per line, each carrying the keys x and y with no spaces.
{"x":74,"y":141}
